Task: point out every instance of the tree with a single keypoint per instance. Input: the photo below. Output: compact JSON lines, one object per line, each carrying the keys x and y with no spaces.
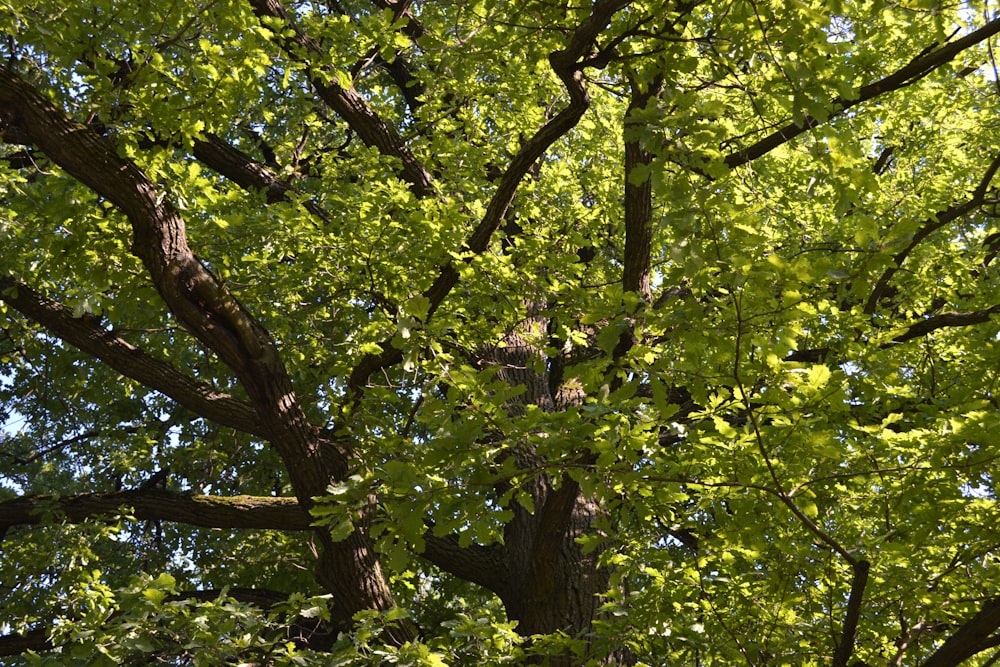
{"x":499,"y":333}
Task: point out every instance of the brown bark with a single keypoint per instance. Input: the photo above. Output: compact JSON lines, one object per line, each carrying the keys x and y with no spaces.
{"x":638,"y":194}
{"x":858,"y":584}
{"x":238,"y":512}
{"x":349,"y":569}
{"x":972,"y":637}
{"x":545,"y":581}
{"x":944,"y":320}
{"x":239,"y":168}
{"x":552,"y":585}
{"x":87,"y":334}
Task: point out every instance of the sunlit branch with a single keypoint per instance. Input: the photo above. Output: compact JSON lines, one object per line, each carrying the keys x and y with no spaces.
{"x":348,"y":569}
{"x":236,"y":512}
{"x":194,"y":295}
{"x":915,"y":70}
{"x":247,"y":173}
{"x":942,"y":218}
{"x":347,"y":102}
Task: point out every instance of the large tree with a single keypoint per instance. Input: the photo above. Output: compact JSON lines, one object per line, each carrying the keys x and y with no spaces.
{"x":490,"y":332}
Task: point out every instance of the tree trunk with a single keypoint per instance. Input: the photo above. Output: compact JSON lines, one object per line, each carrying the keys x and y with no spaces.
{"x":549,"y":585}
{"x":552,"y":586}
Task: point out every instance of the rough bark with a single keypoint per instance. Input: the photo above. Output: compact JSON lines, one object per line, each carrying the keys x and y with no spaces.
{"x":348,"y":569}
{"x":552,"y":586}
{"x":88,"y":335}
{"x":260,"y":512}
{"x":239,"y":168}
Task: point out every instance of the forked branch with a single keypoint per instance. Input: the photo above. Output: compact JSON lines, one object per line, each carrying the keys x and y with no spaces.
{"x":88,"y":335}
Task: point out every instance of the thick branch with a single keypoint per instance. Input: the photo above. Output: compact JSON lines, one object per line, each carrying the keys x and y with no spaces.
{"x":478,"y":564}
{"x":555,"y":519}
{"x":348,"y":569}
{"x":239,"y":168}
{"x":159,"y":233}
{"x":970,"y":638}
{"x":403,"y":9}
{"x":36,"y":640}
{"x":201,"y":303}
{"x":638,"y":194}
{"x":86,"y":334}
{"x":846,"y":646}
{"x":917,"y":69}
{"x":264,"y":598}
{"x":347,"y":102}
{"x":260,"y":512}
{"x":924,"y":327}
{"x":398,"y":69}
{"x":567,"y":64}
{"x":916,"y":330}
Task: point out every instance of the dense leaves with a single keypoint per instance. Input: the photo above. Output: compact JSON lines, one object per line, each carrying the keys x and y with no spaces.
{"x":499,"y":333}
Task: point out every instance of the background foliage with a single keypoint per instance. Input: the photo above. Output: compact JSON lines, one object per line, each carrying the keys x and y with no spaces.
{"x":725,"y":270}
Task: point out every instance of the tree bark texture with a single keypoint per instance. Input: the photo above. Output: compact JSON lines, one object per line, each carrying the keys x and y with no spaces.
{"x":349,"y":569}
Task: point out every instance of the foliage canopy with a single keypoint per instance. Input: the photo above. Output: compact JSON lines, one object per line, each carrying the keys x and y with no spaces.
{"x":491,"y":332}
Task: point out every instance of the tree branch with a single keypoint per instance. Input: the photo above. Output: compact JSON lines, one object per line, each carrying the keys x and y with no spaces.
{"x":971,"y":637}
{"x":36,"y":640}
{"x":347,"y":102}
{"x":568,"y":65}
{"x":236,"y":512}
{"x":42,"y":451}
{"x":476,"y":563}
{"x":349,"y":569}
{"x":239,"y":168}
{"x":411,"y":88}
{"x":194,"y":295}
{"x":940,"y":219}
{"x":915,"y":70}
{"x":638,"y":193}
{"x":87,"y":335}
{"x":924,"y":327}
{"x":846,"y":647}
